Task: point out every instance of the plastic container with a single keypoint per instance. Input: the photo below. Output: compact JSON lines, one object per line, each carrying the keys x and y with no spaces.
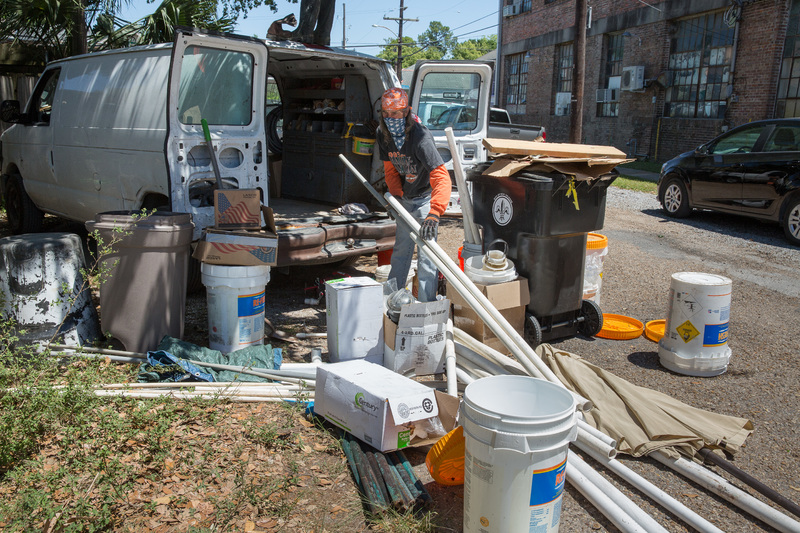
{"x":596,"y":251}
{"x":620,"y":327}
{"x":475,"y":270}
{"x":468,"y":250}
{"x":34,"y":270}
{"x":144,"y":299}
{"x":236,"y":299}
{"x":517,"y":430}
{"x":363,"y":146}
{"x":445,"y":459}
{"x":695,"y":340}
{"x":382,"y":275}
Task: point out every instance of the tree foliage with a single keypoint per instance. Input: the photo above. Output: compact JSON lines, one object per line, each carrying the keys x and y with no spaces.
{"x":475,"y":48}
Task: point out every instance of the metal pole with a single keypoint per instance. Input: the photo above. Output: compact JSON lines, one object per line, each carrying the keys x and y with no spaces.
{"x":576,"y":119}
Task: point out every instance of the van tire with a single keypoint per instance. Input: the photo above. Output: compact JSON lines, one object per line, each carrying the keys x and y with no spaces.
{"x":23,"y":215}
{"x":275,"y":139}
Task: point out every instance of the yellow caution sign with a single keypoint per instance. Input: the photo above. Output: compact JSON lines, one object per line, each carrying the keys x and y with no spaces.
{"x":687,"y":331}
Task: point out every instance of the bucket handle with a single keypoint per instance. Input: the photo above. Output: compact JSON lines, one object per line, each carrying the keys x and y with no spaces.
{"x":505,"y":246}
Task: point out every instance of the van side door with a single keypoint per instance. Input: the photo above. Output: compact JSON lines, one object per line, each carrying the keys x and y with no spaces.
{"x":221,"y":80}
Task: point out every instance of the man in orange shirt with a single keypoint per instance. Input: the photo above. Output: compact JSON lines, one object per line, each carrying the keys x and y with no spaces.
{"x":416,"y":175}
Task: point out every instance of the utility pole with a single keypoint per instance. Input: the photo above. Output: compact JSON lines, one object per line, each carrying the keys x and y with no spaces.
{"x":576,"y":119}
{"x":400,"y":38}
{"x":343,"y":25}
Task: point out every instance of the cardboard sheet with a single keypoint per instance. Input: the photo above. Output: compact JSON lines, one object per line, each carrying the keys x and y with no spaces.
{"x":585,"y":151}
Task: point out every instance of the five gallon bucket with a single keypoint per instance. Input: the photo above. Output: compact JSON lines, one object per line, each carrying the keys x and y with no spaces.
{"x":479,"y":269}
{"x":596,"y":250}
{"x":467,"y":251}
{"x":695,"y":340}
{"x":236,"y":298}
{"x":363,"y":146}
{"x":517,"y":430}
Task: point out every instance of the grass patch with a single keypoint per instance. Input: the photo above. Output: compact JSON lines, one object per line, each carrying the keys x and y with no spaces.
{"x":634,"y":184}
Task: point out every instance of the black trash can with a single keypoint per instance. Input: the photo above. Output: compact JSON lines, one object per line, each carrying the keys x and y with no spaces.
{"x":545,"y":218}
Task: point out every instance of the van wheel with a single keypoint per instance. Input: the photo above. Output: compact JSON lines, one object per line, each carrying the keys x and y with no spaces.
{"x":274,"y":127}
{"x":791,"y":221}
{"x":675,"y":199}
{"x":23,"y":215}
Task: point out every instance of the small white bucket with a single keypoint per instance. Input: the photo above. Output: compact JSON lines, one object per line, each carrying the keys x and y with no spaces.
{"x":476,"y":270}
{"x":596,"y":251}
{"x":236,"y":298}
{"x":382,"y":275}
{"x":695,"y":340}
{"x":517,"y":431}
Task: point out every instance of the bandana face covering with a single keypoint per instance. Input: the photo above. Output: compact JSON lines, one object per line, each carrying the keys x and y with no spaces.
{"x":397,"y":128}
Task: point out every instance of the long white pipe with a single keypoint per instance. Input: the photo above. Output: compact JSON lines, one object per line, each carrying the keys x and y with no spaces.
{"x":463,"y":376}
{"x":656,"y":494}
{"x":450,"y":360}
{"x":586,"y":439}
{"x":594,"y":431}
{"x":721,"y":487}
{"x":475,"y":358}
{"x":471,"y":233}
{"x":143,"y":394}
{"x":628,"y":508}
{"x":601,"y":500}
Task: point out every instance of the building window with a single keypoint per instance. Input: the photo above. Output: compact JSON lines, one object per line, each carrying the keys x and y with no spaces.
{"x":526,"y":6}
{"x":700,"y":63}
{"x":608,"y":94}
{"x":788,"y":104}
{"x":517,"y":87}
{"x":563,"y":84}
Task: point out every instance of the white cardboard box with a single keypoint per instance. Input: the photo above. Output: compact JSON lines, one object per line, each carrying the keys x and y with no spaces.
{"x":378,"y":406}
{"x":417,"y":341}
{"x":354,"y":309}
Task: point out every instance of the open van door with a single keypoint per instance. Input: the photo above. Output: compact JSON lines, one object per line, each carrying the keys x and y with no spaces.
{"x":222,"y":80}
{"x":454,"y":94}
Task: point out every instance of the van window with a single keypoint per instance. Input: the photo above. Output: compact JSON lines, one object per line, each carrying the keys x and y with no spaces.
{"x":452,"y":99}
{"x":216,"y":85}
{"x":42,"y":101}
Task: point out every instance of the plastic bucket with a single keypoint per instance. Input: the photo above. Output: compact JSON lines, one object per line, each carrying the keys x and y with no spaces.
{"x":468,"y":250}
{"x":475,"y":270}
{"x":695,"y":340}
{"x":382,"y":275}
{"x":363,"y":146}
{"x":596,"y":251}
{"x":517,"y":430}
{"x":236,"y":298}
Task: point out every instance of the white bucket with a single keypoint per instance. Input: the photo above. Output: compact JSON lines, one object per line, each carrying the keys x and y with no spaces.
{"x":695,"y":339}
{"x":517,"y":431}
{"x":475,"y":270}
{"x":382,"y":275}
{"x":236,"y":299}
{"x":596,"y":251}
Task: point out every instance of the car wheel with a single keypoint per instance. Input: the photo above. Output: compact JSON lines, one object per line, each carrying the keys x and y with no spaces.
{"x":23,"y":215}
{"x":675,"y":199}
{"x":791,"y":221}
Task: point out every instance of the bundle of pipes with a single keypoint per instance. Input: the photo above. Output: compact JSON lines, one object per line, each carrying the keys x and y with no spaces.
{"x":386,"y":480}
{"x":236,"y":391}
{"x":620,"y":511}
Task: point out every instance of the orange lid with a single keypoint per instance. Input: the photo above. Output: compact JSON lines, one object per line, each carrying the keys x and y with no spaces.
{"x":620,"y":327}
{"x":654,"y":329}
{"x":595,"y":241}
{"x":445,"y":460}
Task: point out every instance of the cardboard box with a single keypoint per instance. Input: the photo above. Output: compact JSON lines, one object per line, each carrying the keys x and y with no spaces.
{"x":381,"y":407}
{"x":354,"y":308}
{"x":237,"y":209}
{"x":240,"y":248}
{"x":417,"y":341}
{"x":510,"y":298}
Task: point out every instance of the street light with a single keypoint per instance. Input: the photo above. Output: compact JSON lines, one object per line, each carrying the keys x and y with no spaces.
{"x":399,"y":50}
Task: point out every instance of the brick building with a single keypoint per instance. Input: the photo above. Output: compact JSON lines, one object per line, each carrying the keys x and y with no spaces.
{"x":661,"y":77}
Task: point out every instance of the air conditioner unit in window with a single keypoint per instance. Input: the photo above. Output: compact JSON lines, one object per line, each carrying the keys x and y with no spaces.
{"x":606,"y":95}
{"x":632,"y":78}
{"x":562,"y":104}
{"x":513,"y":9}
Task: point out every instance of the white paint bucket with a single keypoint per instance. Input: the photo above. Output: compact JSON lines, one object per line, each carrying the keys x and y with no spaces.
{"x":517,"y":431}
{"x":236,"y":298}
{"x":468,"y":250}
{"x":695,"y":340}
{"x":596,"y":251}
{"x":476,"y":270}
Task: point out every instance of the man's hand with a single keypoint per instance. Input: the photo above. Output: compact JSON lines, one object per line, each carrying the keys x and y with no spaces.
{"x":429,"y":227}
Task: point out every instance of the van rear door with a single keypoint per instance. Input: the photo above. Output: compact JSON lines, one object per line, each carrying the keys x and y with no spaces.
{"x":222,"y":80}
{"x":454,"y":94}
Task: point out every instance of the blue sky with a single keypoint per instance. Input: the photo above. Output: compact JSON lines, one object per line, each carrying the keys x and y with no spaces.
{"x":467,"y":19}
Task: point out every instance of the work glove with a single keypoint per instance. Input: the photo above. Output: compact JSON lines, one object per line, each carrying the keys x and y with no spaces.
{"x":429,"y":227}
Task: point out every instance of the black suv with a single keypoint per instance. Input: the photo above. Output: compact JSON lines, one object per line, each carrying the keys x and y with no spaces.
{"x":752,"y":170}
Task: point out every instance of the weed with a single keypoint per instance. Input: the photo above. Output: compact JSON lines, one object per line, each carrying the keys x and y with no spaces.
{"x":634,"y":184}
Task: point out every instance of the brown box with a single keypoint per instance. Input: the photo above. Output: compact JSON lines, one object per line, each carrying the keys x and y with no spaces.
{"x":236,"y":209}
{"x":510,"y":298}
{"x":240,"y":248}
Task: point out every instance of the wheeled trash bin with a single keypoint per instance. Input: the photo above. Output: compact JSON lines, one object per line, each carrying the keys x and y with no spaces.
{"x":545,"y":218}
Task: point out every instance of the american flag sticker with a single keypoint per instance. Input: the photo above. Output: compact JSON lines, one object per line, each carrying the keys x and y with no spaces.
{"x":238,"y":208}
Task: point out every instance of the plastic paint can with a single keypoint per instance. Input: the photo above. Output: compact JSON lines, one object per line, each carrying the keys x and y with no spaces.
{"x":695,"y":340}
{"x":518,"y":431}
{"x":363,"y":146}
{"x":596,"y":251}
{"x":236,"y":299}
{"x":468,"y":250}
{"x":477,"y":272}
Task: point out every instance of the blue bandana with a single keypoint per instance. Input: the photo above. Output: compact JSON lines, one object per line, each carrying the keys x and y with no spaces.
{"x":397,"y":128}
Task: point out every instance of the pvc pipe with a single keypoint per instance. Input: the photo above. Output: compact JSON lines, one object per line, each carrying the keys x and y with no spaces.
{"x":586,"y":439}
{"x":471,"y":233}
{"x":659,"y":496}
{"x":513,"y":367}
{"x":463,"y":376}
{"x":478,"y":361}
{"x":601,"y":500}
{"x":627,"y":507}
{"x":721,"y":487}
{"x":184,"y":396}
{"x":594,"y":431}
{"x":304,"y":335}
{"x":450,"y":360}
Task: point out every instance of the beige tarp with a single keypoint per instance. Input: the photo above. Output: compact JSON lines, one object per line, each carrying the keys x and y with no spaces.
{"x":640,"y":419}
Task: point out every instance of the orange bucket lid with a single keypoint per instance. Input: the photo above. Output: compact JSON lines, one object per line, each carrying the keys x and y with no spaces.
{"x":595,"y":241}
{"x":620,"y":327}
{"x":654,"y":329}
{"x":445,"y":460}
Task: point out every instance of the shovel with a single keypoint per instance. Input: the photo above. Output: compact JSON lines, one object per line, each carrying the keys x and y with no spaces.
{"x":214,"y":162}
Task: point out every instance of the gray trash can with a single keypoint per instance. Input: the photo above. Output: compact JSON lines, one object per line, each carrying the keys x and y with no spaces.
{"x":144,"y":298}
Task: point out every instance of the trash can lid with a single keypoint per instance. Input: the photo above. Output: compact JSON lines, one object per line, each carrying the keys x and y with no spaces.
{"x":596,"y":241}
{"x":654,"y":329}
{"x":620,"y":327}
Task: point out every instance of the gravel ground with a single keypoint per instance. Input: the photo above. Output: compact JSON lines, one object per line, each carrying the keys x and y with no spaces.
{"x":645,"y":249}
